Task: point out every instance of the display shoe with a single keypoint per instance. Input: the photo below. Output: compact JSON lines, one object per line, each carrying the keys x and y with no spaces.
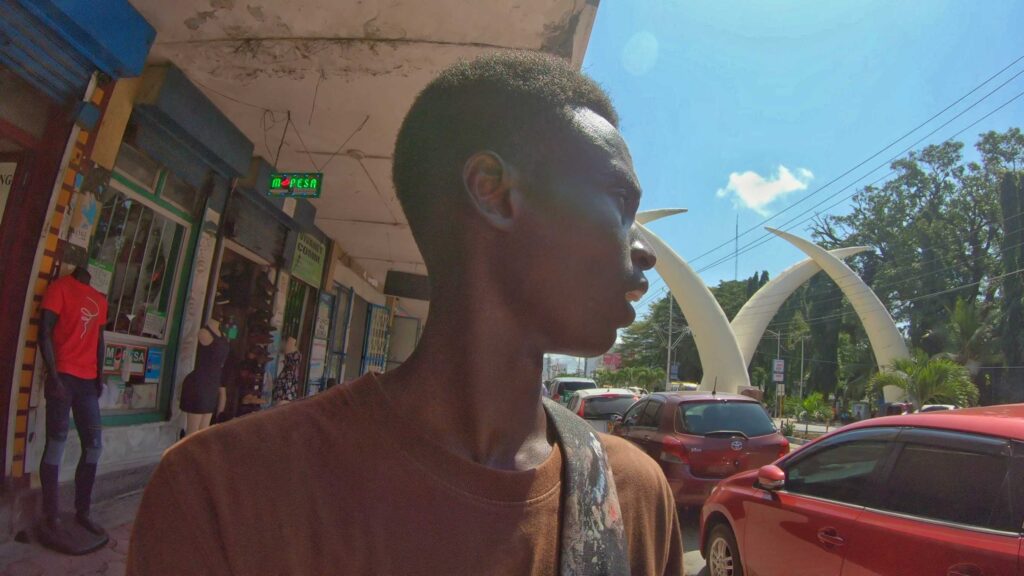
{"x":264,"y":338}
{"x":258,"y":355}
{"x":259,"y":323}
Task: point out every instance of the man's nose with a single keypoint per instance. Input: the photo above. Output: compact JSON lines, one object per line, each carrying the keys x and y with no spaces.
{"x":640,"y":252}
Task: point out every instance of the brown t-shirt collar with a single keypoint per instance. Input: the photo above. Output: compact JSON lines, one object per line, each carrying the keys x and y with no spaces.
{"x":460,"y":474}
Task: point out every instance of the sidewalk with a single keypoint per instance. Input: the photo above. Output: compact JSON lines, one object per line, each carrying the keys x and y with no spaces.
{"x":117,"y":515}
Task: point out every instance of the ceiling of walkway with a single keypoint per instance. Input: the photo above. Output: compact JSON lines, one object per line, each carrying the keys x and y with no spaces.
{"x":323,"y":85}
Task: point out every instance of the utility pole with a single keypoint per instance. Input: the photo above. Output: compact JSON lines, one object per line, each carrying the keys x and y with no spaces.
{"x":668,"y":361}
{"x":801,"y":367}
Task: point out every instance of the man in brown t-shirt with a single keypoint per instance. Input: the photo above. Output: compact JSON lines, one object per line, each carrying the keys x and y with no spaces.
{"x":521,"y":195}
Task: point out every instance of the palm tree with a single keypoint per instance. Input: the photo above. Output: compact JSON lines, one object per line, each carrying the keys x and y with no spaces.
{"x":970,"y":335}
{"x":928,"y":381}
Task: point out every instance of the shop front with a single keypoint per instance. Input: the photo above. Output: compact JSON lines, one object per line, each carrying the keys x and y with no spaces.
{"x":147,"y":229}
{"x":140,"y":256}
{"x":307,"y":316}
{"x":59,"y":63}
{"x":250,"y":259}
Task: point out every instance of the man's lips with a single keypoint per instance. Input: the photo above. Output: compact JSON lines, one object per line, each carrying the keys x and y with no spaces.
{"x":635,"y":295}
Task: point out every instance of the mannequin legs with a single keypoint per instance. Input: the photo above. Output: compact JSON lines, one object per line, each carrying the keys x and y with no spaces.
{"x":196,"y":422}
{"x":85,"y":404}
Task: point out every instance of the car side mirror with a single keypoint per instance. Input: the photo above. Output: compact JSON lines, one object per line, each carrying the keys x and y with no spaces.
{"x":770,"y":477}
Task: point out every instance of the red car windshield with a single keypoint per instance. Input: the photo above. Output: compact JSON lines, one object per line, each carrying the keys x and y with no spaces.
{"x":704,"y":418}
{"x":602,"y":407}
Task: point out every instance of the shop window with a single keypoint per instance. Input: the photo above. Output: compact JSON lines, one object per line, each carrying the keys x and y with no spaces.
{"x":137,"y":165}
{"x":179,"y":193}
{"x":376,"y":355}
{"x":339,"y":335}
{"x":133,"y":258}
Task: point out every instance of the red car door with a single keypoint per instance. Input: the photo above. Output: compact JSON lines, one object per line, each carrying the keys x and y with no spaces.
{"x":806,"y":528}
{"x":946,"y":508}
{"x":649,"y":435}
{"x":628,"y":428}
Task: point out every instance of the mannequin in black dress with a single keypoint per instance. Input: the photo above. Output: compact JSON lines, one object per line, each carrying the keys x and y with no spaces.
{"x":202,"y":392}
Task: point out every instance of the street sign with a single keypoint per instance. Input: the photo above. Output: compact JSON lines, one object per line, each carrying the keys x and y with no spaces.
{"x":780,"y":390}
{"x":778,"y":377}
{"x":778,"y":365}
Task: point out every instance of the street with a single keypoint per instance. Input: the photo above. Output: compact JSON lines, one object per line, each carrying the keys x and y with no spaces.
{"x":17,"y":559}
{"x":693,"y":563}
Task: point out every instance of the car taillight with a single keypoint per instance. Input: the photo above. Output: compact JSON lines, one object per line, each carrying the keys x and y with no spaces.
{"x":674,"y":451}
{"x":580,"y":411}
{"x":783,"y":448}
{"x":557,"y":398}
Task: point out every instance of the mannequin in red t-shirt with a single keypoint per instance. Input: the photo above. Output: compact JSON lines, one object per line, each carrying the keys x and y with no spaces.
{"x":71,"y":341}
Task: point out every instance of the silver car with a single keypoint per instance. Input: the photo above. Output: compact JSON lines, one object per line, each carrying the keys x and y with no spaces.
{"x":599,"y":405}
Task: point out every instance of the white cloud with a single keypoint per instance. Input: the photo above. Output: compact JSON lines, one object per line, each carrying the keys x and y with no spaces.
{"x":757,"y":192}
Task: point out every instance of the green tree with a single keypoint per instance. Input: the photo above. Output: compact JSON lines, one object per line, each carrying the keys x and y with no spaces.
{"x":928,"y":381}
{"x":816,"y":407}
{"x":645,"y":342}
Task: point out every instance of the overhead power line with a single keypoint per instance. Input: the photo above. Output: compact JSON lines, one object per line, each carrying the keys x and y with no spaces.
{"x":879,"y":152}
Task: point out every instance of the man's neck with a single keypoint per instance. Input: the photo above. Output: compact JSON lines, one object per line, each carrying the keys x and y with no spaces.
{"x":473,"y":384}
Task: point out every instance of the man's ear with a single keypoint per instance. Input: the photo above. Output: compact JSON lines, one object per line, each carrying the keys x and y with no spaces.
{"x":491,"y":183}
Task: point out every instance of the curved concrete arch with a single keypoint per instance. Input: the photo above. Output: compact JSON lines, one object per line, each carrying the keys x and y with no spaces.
{"x":648,"y":216}
{"x":886,"y":341}
{"x":719,"y":354}
{"x":750,"y":322}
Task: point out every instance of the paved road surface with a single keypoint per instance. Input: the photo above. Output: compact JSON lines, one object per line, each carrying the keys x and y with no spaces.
{"x":17,"y":559}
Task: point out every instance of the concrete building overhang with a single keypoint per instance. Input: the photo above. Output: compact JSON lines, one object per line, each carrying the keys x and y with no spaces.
{"x":323,"y":85}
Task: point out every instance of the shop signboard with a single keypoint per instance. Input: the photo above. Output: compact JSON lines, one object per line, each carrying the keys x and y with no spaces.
{"x":102,"y":273}
{"x":308,"y":263}
{"x":83,"y":219}
{"x":295,"y":184}
{"x":6,"y":181}
{"x":142,"y":396}
{"x":154,"y":364}
{"x":113,"y":355}
{"x":612,"y":360}
{"x":322,"y":329}
{"x":136,"y":358}
{"x":154,"y":323}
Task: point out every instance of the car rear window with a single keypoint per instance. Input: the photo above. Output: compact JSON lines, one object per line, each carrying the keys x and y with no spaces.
{"x":605,"y":406}
{"x":570,"y":387}
{"x":701,"y":418}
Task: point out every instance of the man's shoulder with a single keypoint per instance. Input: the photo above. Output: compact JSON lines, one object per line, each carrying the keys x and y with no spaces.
{"x":628,"y":462}
{"x":274,"y":438}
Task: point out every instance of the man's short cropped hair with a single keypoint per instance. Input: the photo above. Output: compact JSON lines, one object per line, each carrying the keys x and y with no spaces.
{"x":511,"y":103}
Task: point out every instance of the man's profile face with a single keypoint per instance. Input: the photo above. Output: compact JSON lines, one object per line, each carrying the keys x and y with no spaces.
{"x":575,"y":234}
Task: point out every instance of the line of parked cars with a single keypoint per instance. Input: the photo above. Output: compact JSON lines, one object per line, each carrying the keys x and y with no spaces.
{"x":940,"y":491}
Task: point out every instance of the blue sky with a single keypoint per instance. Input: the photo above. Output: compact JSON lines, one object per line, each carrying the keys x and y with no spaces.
{"x":748,"y":107}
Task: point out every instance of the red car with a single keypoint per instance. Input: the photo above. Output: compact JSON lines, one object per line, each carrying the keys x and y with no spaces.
{"x":933,"y":493}
{"x":699,"y":438}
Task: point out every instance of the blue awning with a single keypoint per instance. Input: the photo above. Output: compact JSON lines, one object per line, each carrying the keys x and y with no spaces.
{"x":56,"y":44}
